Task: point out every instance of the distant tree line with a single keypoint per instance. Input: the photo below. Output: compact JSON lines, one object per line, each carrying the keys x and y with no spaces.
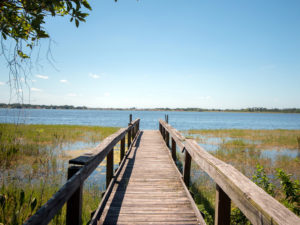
{"x":253,"y":109}
{"x":29,"y":106}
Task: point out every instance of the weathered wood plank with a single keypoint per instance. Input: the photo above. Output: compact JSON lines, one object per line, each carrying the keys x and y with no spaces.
{"x":148,"y":188}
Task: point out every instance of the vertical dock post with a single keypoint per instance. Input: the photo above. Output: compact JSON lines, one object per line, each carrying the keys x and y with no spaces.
{"x":187,"y":168}
{"x":167,"y":138}
{"x":174,"y":150}
{"x":122,"y":149}
{"x":74,"y":204}
{"x":222,"y":211}
{"x":109,"y":166}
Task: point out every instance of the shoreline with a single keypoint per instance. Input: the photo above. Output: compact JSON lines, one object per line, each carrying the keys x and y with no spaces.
{"x":247,"y":110}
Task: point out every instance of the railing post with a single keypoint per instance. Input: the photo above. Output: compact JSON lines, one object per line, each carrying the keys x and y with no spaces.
{"x":167,"y":139}
{"x":74,"y":204}
{"x":133,"y":132}
{"x":129,"y":133}
{"x":222,"y":211}
{"x":167,"y":118}
{"x":187,"y":168}
{"x":109,"y":167}
{"x":122,"y":149}
{"x":160,"y":128}
{"x":174,"y":150}
{"x":128,"y":139}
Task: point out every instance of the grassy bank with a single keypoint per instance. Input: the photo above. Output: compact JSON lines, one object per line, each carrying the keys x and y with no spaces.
{"x":26,"y":142}
{"x":268,"y":157}
{"x":33,"y":167}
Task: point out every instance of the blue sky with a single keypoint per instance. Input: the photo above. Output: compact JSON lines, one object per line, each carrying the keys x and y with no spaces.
{"x":200,"y":53}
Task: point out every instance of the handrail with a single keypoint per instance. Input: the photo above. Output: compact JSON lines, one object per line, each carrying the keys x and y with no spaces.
{"x":71,"y":191}
{"x":258,"y":206}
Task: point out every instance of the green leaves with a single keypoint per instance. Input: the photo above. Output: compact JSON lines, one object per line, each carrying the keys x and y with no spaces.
{"x":86,"y":5}
{"x":76,"y":22}
{"x":263,"y":181}
{"x":290,"y":188}
{"x":22,"y":55}
{"x":23,"y":20}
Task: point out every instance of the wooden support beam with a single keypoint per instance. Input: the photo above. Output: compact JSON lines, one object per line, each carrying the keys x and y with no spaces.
{"x":122,"y":149}
{"x":222,"y":211}
{"x":167,"y":139}
{"x":174,"y":150}
{"x":133,"y":133}
{"x":187,"y":168}
{"x":74,"y":204}
{"x":128,"y":139}
{"x":109,"y":167}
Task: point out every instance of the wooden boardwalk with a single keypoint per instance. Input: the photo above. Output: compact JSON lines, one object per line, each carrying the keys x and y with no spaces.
{"x":149,"y":188}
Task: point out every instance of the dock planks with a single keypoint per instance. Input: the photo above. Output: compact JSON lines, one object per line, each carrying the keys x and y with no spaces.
{"x":149,"y":189}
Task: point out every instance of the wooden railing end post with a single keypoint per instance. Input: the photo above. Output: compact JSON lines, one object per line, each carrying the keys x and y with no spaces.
{"x":74,"y":204}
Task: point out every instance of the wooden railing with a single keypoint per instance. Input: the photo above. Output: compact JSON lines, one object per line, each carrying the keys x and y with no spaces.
{"x":80,"y":169}
{"x":231,"y":185}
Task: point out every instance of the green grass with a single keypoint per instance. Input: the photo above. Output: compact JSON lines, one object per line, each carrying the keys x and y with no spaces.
{"x":32,"y":171}
{"x":265,"y":138}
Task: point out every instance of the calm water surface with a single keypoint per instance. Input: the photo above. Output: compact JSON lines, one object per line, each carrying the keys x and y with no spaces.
{"x":149,"y":119}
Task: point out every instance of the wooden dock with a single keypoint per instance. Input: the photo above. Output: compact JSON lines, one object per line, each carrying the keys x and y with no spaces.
{"x":149,"y":188}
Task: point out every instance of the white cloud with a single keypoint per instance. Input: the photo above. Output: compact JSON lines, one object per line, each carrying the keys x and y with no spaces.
{"x":106,"y":94}
{"x":63,"y":81}
{"x":72,"y":95}
{"x":2,"y":83}
{"x":33,"y":80}
{"x":42,"y":77}
{"x":95,"y":76}
{"x":35,"y":89}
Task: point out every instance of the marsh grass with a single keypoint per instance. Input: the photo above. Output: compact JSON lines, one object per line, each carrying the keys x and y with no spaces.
{"x":266,"y":139}
{"x":22,"y":142}
{"x":32,"y":171}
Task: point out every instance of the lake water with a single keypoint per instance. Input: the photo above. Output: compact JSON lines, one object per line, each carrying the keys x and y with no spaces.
{"x":149,"y":119}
